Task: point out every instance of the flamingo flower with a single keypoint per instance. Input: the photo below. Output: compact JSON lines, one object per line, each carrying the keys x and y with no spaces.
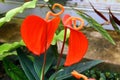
{"x":37,"y":33}
{"x":78,"y":43}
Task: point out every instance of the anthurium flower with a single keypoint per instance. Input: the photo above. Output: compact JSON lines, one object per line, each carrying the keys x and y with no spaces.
{"x":78,"y":43}
{"x":37,"y":33}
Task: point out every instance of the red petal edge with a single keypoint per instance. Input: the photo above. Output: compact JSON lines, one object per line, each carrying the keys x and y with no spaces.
{"x":51,"y":28}
{"x":65,"y":19}
{"x":78,"y":45}
{"x":35,"y":32}
{"x":32,"y":32}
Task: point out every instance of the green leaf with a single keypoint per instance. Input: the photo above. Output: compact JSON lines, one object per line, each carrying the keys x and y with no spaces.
{"x":102,"y":76}
{"x":6,"y":47}
{"x":115,"y":19}
{"x":80,"y":67}
{"x":116,"y":28}
{"x":97,"y":26}
{"x":54,"y":41}
{"x":50,"y":58}
{"x":10,"y":14}
{"x":13,"y":71}
{"x":7,"y":54}
{"x":27,"y":65}
{"x":10,"y":46}
{"x":60,"y":36}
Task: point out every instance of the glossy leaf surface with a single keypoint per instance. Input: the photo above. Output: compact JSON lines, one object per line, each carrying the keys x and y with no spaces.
{"x":80,"y":67}
{"x":50,"y":58}
{"x":27,"y":65}
{"x":14,"y":71}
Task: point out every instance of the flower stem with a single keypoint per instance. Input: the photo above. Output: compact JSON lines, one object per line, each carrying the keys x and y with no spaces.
{"x":43,"y":67}
{"x":45,"y":54}
{"x":61,"y":53}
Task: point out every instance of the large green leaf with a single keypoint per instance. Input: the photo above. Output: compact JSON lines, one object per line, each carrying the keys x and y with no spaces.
{"x":13,"y":71}
{"x":80,"y":67}
{"x":50,"y":57}
{"x":7,"y":47}
{"x":27,"y":65}
{"x":97,"y":26}
{"x":10,"y":46}
{"x":10,"y":14}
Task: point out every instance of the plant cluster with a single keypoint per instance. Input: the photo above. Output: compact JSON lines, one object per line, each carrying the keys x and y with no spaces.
{"x":37,"y":51}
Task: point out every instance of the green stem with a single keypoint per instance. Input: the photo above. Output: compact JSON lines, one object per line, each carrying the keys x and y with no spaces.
{"x":61,"y":53}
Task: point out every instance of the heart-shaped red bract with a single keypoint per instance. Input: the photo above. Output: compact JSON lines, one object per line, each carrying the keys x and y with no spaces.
{"x":38,"y":33}
{"x":78,"y":44}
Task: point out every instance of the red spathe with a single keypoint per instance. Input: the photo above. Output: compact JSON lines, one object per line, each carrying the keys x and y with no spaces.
{"x":78,"y":44}
{"x":38,"y":33}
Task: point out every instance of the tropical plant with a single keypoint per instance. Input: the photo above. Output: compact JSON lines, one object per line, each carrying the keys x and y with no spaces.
{"x":37,"y":51}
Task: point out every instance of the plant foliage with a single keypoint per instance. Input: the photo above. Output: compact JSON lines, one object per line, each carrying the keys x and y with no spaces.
{"x":80,"y":67}
{"x":13,"y":71}
{"x":8,"y":48}
{"x":10,"y":14}
{"x":96,"y":26}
